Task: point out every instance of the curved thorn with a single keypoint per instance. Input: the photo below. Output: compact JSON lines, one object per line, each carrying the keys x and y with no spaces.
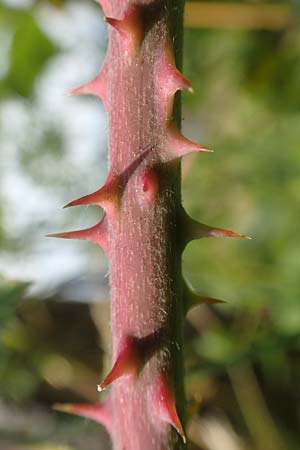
{"x":130,"y":28}
{"x":133,"y":354}
{"x":199,"y":230}
{"x":97,"y":86}
{"x":190,"y":230}
{"x":177,"y":145}
{"x":128,"y":362}
{"x":169,"y":80}
{"x":99,"y":412}
{"x":117,"y":24}
{"x":96,"y":234}
{"x":193,"y":298}
{"x":108,"y":197}
{"x":165,"y":403}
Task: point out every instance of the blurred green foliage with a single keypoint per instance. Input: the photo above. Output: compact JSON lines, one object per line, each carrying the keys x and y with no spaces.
{"x":242,"y":357}
{"x":247,"y":86}
{"x":13,"y":344}
{"x":30,"y":50}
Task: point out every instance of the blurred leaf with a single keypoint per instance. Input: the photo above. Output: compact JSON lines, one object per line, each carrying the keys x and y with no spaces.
{"x":30,"y":51}
{"x":271,"y":63}
{"x":11,"y":293}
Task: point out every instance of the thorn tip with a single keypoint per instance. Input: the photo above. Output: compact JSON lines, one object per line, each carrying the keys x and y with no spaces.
{"x":63,"y":407}
{"x":99,"y":412}
{"x":130,"y":27}
{"x":165,"y":402}
{"x":179,"y":146}
{"x":128,"y":362}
